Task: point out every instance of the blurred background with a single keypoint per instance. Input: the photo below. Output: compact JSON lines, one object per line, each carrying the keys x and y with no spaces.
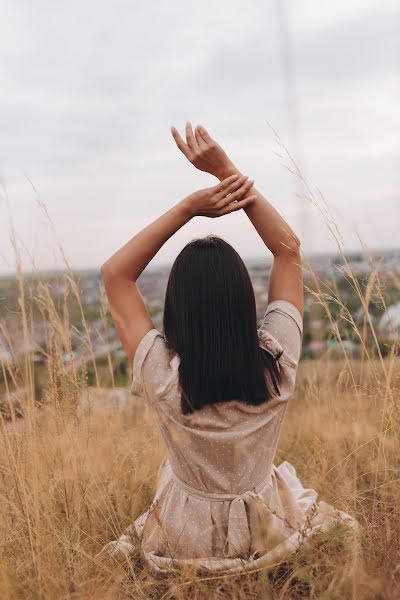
{"x":90,"y":90}
{"x":88,"y":93}
{"x":304,"y":97}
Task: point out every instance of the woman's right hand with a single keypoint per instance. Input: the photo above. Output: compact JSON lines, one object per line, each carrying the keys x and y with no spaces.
{"x":203,"y":152}
{"x":226,"y":197}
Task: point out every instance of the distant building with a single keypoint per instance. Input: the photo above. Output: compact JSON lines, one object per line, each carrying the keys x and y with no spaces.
{"x":360,"y":314}
{"x":5,"y":356}
{"x":389,"y":324}
{"x":338,"y":348}
{"x":316,"y":347}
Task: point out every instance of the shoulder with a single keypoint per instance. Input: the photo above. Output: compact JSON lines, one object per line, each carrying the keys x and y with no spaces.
{"x":155,"y":366}
{"x":281,"y":332}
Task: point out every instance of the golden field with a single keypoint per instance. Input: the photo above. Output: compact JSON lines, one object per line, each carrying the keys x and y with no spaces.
{"x":78,"y":468}
{"x":72,"y":481}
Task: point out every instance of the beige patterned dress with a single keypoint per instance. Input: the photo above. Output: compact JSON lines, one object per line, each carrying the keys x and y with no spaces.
{"x":221,"y":504}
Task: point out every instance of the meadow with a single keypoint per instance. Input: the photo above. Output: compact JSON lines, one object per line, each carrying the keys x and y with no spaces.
{"x":77,"y":468}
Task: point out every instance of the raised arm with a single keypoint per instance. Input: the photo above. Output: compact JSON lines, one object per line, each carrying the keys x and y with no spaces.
{"x":120,"y":272}
{"x":286,"y":278}
{"x":286,"y":281}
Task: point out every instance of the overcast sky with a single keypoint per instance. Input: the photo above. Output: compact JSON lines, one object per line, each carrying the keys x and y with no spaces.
{"x":89,"y":91}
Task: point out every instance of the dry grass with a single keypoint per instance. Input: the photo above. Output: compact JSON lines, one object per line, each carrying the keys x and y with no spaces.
{"x":72,"y":480}
{"x":69,"y":485}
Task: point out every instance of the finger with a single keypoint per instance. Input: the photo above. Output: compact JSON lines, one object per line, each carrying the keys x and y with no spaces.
{"x":180,"y":143}
{"x":205,"y":135}
{"x":200,"y":136}
{"x":190,"y":139}
{"x":202,"y":144}
{"x":237,"y":195}
{"x":233,"y":186}
{"x":223,"y":185}
{"x":228,"y":184}
{"x":237,"y":205}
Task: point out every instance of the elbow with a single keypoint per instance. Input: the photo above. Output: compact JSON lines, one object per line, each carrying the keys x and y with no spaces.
{"x":290,"y":248}
{"x":106,"y":271}
{"x":296,"y":245}
{"x":111,"y":272}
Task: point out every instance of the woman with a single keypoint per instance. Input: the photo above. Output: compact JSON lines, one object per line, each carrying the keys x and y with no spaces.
{"x":217,"y":386}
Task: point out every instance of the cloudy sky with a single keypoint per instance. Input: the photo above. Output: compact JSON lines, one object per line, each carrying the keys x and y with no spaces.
{"x":89,"y":90}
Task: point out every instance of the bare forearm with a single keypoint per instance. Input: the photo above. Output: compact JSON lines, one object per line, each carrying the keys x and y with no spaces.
{"x":285,"y":280}
{"x":130,"y":260}
{"x":275,"y":232}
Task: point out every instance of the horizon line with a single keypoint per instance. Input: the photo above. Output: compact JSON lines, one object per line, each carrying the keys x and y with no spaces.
{"x":157,"y":264}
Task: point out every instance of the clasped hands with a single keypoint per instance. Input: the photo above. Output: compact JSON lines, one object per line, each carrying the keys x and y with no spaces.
{"x":205,"y":154}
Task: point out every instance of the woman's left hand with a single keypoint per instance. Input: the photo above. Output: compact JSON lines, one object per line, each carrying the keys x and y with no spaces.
{"x":226,"y":197}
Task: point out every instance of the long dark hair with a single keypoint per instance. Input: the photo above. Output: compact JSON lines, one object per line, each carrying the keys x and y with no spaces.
{"x":210,"y":322}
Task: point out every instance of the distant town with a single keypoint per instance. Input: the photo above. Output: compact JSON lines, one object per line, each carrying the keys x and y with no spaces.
{"x":337,"y":292}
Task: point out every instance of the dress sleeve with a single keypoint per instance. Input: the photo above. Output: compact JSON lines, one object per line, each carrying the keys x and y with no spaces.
{"x":155,"y":367}
{"x":281,"y":332}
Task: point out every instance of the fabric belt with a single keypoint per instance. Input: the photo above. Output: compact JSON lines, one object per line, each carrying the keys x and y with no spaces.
{"x":247,"y":533}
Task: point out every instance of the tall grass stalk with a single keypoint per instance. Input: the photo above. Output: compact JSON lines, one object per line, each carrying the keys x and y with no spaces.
{"x":77,"y":469}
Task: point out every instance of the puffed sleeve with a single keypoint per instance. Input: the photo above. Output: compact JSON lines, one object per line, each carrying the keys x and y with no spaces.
{"x":155,"y":367}
{"x":281,"y":332}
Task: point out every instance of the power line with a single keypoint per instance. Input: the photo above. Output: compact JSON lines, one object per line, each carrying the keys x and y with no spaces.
{"x":293,"y":117}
